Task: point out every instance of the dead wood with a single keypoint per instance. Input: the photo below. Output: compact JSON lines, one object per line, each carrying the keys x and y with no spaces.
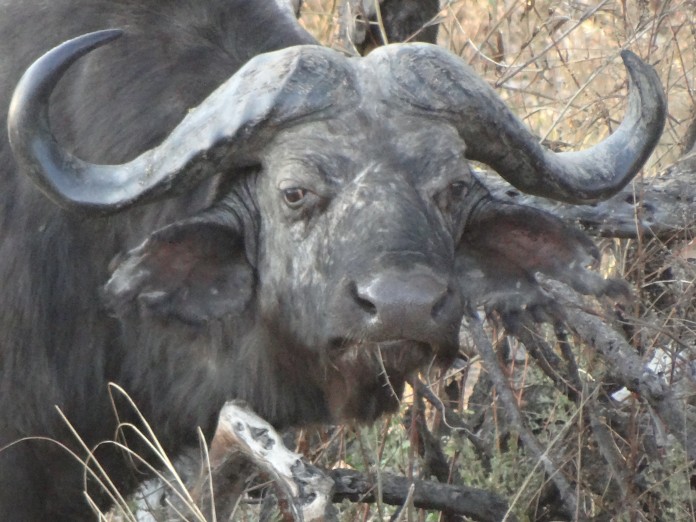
{"x":470,"y":502}
{"x":626,"y":365}
{"x":662,"y":207}
{"x":245,"y":444}
{"x":244,"y":441}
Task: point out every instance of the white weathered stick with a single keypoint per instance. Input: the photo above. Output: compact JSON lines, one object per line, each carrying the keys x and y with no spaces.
{"x":307,"y":490}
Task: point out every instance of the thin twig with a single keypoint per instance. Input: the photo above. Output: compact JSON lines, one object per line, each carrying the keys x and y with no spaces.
{"x":507,"y":398}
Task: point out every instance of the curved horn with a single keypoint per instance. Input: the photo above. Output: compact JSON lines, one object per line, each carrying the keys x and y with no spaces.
{"x":271,"y":91}
{"x":432,"y":80}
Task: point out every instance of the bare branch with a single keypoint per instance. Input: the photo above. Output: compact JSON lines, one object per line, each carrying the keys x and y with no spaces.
{"x":662,"y":207}
{"x":507,"y":399}
{"x":626,"y":365}
{"x":471,"y":502}
{"x":241,"y":433}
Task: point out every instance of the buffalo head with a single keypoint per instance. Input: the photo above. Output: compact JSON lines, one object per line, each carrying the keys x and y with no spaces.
{"x":347,"y":226}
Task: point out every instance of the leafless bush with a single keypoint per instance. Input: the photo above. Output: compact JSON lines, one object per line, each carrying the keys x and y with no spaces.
{"x":550,"y":417}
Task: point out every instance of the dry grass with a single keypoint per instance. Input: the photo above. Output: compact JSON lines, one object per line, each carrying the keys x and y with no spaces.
{"x":557,"y":63}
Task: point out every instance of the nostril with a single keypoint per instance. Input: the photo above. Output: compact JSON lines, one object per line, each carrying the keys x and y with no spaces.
{"x":364,"y":303}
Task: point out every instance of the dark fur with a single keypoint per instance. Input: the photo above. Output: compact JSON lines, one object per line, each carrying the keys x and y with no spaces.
{"x":241,"y":295}
{"x":58,"y":346}
{"x":404,"y":21}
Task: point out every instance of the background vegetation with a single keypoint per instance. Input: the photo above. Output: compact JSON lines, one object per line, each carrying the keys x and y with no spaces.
{"x":557,"y":65}
{"x":573,"y":443}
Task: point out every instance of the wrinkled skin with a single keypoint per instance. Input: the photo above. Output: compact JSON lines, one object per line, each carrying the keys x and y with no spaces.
{"x":394,"y":202}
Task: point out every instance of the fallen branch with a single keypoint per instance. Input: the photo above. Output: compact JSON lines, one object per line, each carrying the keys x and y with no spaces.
{"x":241,"y":434}
{"x":459,"y":500}
{"x":243,"y":441}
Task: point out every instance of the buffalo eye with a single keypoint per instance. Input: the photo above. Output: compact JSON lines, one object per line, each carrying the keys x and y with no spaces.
{"x":294,"y":196}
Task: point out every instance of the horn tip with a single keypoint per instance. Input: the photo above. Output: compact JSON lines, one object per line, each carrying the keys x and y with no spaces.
{"x":107,"y":35}
{"x":95,"y":39}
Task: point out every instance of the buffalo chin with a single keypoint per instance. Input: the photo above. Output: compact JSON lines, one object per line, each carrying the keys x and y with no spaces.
{"x":366,"y":379}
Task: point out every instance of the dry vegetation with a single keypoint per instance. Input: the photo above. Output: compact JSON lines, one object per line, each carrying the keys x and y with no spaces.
{"x":557,"y":64}
{"x":542,"y":418}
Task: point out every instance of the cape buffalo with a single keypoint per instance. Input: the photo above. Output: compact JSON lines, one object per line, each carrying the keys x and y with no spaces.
{"x":212,"y":206}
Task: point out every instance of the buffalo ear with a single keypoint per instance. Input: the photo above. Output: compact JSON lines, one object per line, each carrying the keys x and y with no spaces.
{"x":192,"y":271}
{"x":506,"y":245}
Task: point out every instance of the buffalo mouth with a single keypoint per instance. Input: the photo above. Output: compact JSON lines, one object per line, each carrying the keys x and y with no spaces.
{"x":366,"y":379}
{"x":403,"y":353}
